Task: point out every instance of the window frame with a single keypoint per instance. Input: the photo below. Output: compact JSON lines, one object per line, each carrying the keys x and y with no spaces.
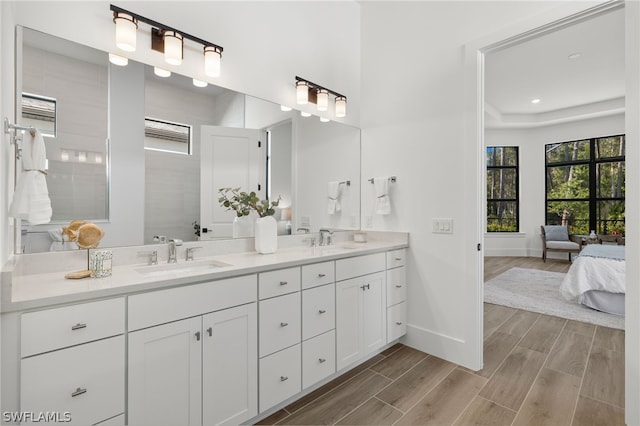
{"x":188,"y":142}
{"x":516,"y":200}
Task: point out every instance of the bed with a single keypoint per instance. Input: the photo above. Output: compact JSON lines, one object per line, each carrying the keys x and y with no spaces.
{"x":596,"y":278}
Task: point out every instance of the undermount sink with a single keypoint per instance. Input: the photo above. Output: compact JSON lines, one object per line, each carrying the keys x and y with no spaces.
{"x":180,"y":267}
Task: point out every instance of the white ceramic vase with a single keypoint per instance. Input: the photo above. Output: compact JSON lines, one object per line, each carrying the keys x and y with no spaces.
{"x":266,"y":235}
{"x":243,"y":227}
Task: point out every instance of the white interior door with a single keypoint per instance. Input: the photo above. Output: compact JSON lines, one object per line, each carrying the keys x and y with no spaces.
{"x":230,"y":157}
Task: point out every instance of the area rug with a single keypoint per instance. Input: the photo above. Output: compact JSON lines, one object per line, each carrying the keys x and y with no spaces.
{"x":538,"y":291}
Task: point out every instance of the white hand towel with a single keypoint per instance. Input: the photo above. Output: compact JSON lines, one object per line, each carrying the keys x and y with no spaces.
{"x":333,"y":195}
{"x":383,"y":203}
{"x":31,"y":197}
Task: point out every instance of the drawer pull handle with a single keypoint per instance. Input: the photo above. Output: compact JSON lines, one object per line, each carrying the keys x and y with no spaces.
{"x":198,"y":336}
{"x":322,"y":275}
{"x":398,"y":286}
{"x":78,"y":326}
{"x":284,"y":324}
{"x":210,"y":331}
{"x":322,"y":311}
{"x":398,"y":259}
{"x":321,"y":360}
{"x":283,"y":283}
{"x":78,"y":392}
{"x":398,"y":323}
{"x":283,"y":378}
{"x":365,"y":287}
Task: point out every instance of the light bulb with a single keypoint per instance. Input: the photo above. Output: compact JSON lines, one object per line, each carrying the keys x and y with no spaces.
{"x":126,"y":29}
{"x":212,"y":59}
{"x":322,"y":100}
{"x":302,"y":92}
{"x":324,"y":119}
{"x":173,"y":47}
{"x":199,"y":83}
{"x":285,"y":108}
{"x":118,"y":60}
{"x":341,"y":106}
{"x":161,"y":72}
{"x":305,"y":114}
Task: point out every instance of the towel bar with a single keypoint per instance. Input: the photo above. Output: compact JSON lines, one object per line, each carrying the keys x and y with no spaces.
{"x":392,"y":179}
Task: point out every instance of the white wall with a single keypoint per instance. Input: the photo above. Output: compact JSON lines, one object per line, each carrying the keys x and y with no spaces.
{"x":531,"y":144}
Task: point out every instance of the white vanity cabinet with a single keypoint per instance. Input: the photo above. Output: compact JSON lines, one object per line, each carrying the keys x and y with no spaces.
{"x":396,"y":295}
{"x":199,"y":370}
{"x":360,"y":307}
{"x":73,"y":362}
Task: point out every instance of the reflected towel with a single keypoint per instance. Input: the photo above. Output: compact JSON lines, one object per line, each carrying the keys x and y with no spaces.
{"x":333,"y":194}
{"x":383,"y":203}
{"x":60,"y":241}
{"x":31,"y":197}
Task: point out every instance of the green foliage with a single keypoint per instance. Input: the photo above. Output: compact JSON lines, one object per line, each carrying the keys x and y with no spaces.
{"x":242,"y":202}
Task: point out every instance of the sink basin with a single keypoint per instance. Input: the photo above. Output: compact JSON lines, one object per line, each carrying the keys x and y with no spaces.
{"x":172,"y":269}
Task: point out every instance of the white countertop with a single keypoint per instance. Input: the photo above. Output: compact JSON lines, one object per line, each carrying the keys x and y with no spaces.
{"x":37,"y":290}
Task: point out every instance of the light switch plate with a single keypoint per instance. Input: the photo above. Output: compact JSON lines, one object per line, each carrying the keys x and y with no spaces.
{"x":442,"y":225}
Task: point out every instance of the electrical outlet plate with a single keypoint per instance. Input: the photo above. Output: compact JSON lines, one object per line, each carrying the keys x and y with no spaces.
{"x":442,"y":225}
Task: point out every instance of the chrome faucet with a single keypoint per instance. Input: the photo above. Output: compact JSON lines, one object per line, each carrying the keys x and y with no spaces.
{"x":172,"y":250}
{"x":190,"y":251}
{"x":326,"y":237}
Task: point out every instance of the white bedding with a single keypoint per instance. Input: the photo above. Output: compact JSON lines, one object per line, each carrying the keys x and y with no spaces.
{"x":594,"y":273}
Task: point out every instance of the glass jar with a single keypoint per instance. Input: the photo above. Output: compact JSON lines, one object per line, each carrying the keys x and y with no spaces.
{"x":100,"y":263}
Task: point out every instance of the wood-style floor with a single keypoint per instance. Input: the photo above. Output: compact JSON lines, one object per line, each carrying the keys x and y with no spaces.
{"x":538,"y":370}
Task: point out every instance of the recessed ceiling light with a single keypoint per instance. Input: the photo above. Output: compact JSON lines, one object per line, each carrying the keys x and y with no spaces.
{"x":575,"y":55}
{"x":199,"y":83}
{"x":535,"y":101}
{"x":285,"y":108}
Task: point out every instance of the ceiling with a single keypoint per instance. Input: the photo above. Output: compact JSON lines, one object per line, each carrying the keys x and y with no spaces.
{"x":590,"y":85}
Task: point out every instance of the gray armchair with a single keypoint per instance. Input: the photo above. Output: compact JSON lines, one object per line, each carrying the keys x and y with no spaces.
{"x":556,"y":238}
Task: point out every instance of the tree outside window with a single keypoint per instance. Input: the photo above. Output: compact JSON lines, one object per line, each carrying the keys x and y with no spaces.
{"x":502,"y":189}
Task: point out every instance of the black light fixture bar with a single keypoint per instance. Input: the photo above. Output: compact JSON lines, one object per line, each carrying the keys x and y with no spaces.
{"x":317,"y":87}
{"x":162,"y":27}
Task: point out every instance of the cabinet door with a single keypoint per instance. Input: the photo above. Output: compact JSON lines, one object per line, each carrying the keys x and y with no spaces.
{"x":348,"y":322}
{"x":374,"y":312}
{"x":165,"y":365}
{"x":86,"y":381}
{"x":230,"y":366}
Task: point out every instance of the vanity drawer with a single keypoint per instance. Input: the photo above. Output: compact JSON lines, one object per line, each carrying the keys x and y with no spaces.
{"x":396,"y":286}
{"x":318,"y":274}
{"x":279,"y":323}
{"x":280,"y":377}
{"x":358,"y":266}
{"x":43,"y":331}
{"x":396,"y":258}
{"x":318,"y":358}
{"x":162,"y":306}
{"x":86,"y":381}
{"x":318,"y":310}
{"x":276,"y":283}
{"x":396,"y":321}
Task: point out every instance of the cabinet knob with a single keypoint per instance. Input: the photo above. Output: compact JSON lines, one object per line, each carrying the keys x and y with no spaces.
{"x":398,"y":323}
{"x":283,"y":378}
{"x":210,"y":331}
{"x":321,"y":360}
{"x":283,"y":283}
{"x":398,"y":259}
{"x":398,"y":286}
{"x":78,"y":391}
{"x":284,"y":324}
{"x":322,"y":275}
{"x":198,"y":336}
{"x":322,"y":311}
{"x":78,"y":326}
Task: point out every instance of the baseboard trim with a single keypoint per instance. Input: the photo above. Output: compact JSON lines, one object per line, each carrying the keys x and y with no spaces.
{"x":451,"y":348}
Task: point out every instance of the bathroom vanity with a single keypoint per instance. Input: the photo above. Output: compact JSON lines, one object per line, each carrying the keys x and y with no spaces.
{"x":225,"y":339}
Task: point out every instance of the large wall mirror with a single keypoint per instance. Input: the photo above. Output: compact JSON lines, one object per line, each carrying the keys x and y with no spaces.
{"x":143,"y":155}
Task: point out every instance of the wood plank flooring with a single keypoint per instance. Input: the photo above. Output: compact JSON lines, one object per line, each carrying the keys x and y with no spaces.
{"x":538,"y":370}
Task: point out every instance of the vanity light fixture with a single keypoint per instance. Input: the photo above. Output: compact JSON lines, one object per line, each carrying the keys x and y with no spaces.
{"x":308,"y":92}
{"x":164,"y":39}
{"x":126,"y":30}
{"x":161,"y":72}
{"x":199,"y":83}
{"x":118,"y":60}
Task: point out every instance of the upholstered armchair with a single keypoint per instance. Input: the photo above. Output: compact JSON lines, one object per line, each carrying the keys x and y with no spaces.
{"x":556,"y":238}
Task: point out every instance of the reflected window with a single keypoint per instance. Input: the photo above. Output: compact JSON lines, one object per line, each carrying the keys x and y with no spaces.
{"x":585,"y":185}
{"x":40,"y":112}
{"x":166,"y":136}
{"x":502,"y":189}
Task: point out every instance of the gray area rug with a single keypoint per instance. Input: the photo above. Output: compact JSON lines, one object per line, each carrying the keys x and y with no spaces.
{"x":538,"y":291}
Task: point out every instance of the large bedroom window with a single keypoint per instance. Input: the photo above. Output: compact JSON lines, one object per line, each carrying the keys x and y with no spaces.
{"x":502,"y":189}
{"x":585,"y":185}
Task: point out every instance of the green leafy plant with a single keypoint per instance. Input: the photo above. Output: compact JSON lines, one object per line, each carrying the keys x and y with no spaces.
{"x":242,"y":202}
